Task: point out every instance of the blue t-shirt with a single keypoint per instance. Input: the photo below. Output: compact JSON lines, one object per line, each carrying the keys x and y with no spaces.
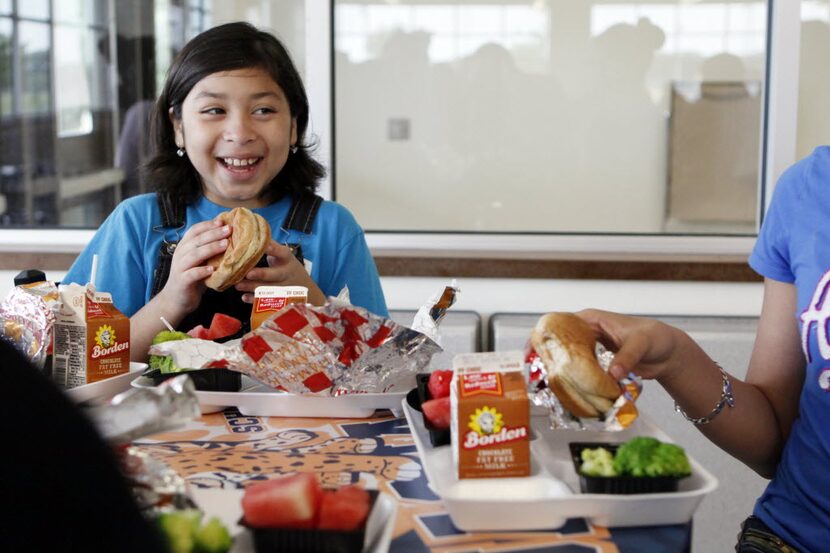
{"x":794,"y":247}
{"x":127,"y":245}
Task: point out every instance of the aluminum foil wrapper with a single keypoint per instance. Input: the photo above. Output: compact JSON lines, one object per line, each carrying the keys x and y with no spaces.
{"x":157,"y":487}
{"x":390,"y":367}
{"x":620,"y":416}
{"x":27,"y":317}
{"x":143,"y":411}
{"x":429,"y":316}
{"x":330,"y":350}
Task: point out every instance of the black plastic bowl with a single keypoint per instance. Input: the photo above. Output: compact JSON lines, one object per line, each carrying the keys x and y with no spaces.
{"x":206,"y":380}
{"x":310,"y":540}
{"x":618,"y":484}
{"x":418,"y":395}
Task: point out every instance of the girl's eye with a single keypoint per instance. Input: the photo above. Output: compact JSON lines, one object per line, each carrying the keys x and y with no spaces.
{"x":264,"y":111}
{"x":213,"y":111}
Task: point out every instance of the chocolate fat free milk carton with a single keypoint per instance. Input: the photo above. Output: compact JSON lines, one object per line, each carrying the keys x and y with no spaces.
{"x":490,"y":415}
{"x":91,"y":337}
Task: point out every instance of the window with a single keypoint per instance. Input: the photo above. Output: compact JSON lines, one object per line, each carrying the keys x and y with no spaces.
{"x":548,"y":117}
{"x":814,"y":77}
{"x":516,"y":122}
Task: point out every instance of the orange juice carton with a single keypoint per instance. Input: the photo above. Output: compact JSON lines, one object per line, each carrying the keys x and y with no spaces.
{"x":270,"y":299}
{"x":490,"y":415}
{"x":91,"y":337}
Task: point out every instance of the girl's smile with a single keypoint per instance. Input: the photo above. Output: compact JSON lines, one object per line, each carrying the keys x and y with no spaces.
{"x":236,"y":128}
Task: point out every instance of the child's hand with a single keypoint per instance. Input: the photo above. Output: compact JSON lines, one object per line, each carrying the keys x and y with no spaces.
{"x":644,"y":346}
{"x":188,"y":271}
{"x":283,"y":270}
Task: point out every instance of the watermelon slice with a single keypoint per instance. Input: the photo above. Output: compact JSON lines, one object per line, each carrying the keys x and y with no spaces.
{"x":439,"y":384}
{"x":223,"y":326}
{"x":344,"y":509}
{"x":290,"y":502}
{"x":199,"y":332}
{"x":437,"y":412}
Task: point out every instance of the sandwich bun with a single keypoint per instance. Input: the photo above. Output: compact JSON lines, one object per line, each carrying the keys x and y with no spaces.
{"x":249,"y":238}
{"x":566,"y":345}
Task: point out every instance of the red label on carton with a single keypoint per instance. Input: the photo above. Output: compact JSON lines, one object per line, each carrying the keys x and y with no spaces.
{"x":481,"y":383}
{"x":271,"y":299}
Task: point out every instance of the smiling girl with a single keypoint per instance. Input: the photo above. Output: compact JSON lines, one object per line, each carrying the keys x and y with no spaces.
{"x":229,"y":129}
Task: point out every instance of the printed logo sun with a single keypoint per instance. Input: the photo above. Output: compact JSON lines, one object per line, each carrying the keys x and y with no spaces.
{"x":105,"y":337}
{"x":486,"y":420}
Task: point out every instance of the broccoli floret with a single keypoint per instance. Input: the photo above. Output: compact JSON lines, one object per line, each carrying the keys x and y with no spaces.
{"x":669,"y":460}
{"x":179,"y":527}
{"x":647,"y":456}
{"x":597,"y":462}
{"x":633,"y":456}
{"x":185,"y":533}
{"x":213,"y":537}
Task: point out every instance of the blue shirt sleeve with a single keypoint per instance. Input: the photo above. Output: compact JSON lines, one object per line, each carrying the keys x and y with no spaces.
{"x":771,"y":255}
{"x":344,"y":259}
{"x":121,"y":269}
{"x":358,"y":270}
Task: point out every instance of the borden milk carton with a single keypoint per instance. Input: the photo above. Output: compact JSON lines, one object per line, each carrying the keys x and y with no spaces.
{"x":91,"y":337}
{"x":490,"y":415}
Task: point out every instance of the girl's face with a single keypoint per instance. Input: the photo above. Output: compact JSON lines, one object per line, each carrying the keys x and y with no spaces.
{"x":236,"y":128}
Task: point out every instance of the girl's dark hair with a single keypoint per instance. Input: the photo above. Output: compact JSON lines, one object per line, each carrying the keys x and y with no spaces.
{"x":226,"y":48}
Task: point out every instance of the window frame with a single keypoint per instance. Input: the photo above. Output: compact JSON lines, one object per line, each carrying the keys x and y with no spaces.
{"x":777,"y":143}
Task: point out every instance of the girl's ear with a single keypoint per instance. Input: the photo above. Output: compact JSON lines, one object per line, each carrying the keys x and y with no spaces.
{"x":177,"y":127}
{"x":293,"y":141}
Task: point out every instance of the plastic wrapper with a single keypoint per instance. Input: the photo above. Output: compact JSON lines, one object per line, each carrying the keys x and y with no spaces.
{"x":143,"y":411}
{"x":192,"y":353}
{"x":335,"y":349}
{"x":331,"y":350}
{"x":27,"y":318}
{"x":620,"y":416}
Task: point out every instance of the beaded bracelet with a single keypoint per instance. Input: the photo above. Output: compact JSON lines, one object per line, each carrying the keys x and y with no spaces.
{"x":726,"y":398}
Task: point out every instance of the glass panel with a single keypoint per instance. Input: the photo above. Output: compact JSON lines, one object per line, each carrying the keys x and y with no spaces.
{"x":84,"y":12}
{"x":814,"y":77}
{"x":6,"y":52}
{"x":550,"y":116}
{"x":81,"y":77}
{"x":5,"y":7}
{"x":10,"y":166}
{"x":36,"y":9}
{"x":34,"y":44}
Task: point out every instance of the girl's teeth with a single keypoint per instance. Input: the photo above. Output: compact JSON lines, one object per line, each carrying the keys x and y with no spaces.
{"x":239,"y":162}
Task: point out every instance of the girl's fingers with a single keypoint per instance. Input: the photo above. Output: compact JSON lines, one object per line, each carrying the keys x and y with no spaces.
{"x":195,"y":274}
{"x":277,"y":253}
{"x":196,"y":256}
{"x":628,"y":357}
{"x":209,"y":236}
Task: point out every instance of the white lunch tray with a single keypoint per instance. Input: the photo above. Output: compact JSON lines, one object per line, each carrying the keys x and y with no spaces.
{"x":550,"y":495}
{"x":259,"y":400}
{"x":105,"y":389}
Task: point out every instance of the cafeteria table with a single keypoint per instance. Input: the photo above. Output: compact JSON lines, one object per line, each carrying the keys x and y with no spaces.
{"x":228,"y":450}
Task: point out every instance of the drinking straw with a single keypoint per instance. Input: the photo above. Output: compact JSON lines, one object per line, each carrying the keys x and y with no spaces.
{"x":94,"y":271}
{"x":168,"y":325}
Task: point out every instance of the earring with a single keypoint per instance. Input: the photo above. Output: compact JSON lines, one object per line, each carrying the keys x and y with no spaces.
{"x":180,"y":152}
{"x":293,"y":149}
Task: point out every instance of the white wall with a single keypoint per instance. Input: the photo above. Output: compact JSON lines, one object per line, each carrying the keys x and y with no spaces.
{"x":490,"y":295}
